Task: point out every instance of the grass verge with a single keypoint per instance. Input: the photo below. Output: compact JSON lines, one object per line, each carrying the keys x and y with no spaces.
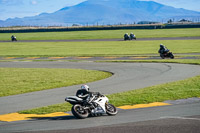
{"x":103,"y":34}
{"x":170,"y":91}
{"x":159,"y":93}
{"x":22,"y":80}
{"x":113,"y":48}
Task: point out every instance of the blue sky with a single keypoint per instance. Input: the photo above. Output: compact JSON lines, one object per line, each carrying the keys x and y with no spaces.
{"x":22,"y":8}
{"x":186,"y":4}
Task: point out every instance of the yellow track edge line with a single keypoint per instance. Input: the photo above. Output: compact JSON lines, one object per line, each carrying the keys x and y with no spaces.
{"x":144,"y":105}
{"x":19,"y":117}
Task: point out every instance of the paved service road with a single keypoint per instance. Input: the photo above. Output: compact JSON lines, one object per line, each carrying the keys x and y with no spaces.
{"x":127,"y":76}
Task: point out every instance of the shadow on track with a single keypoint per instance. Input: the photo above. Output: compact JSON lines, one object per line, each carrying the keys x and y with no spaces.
{"x":60,"y":118}
{"x":54,"y":118}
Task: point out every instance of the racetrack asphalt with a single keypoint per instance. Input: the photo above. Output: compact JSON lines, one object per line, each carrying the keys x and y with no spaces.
{"x":127,"y":76}
{"x":189,"y":124}
{"x":182,"y":118}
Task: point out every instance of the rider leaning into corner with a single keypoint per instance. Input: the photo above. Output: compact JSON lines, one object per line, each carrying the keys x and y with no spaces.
{"x":13,"y":37}
{"x":162,"y":49}
{"x":86,"y":95}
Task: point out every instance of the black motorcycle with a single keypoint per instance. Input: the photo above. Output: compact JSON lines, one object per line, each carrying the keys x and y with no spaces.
{"x":132,"y":36}
{"x":126,"y":37}
{"x":13,"y":38}
{"x":167,"y":54}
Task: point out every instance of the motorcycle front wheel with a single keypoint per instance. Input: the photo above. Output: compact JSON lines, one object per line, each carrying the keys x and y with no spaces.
{"x":111,"y":109}
{"x":171,"y":56}
{"x":79,"y":112}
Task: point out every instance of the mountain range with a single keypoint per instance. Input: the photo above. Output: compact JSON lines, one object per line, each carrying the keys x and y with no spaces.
{"x":103,"y":12}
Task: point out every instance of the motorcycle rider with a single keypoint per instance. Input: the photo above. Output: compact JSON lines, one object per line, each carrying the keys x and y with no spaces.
{"x":132,"y":36}
{"x":126,"y":36}
{"x":13,"y":38}
{"x":163,"y":49}
{"x":86,"y":95}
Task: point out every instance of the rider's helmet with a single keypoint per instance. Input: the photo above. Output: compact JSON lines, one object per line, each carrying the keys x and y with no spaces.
{"x":161,"y":45}
{"x":85,"y":87}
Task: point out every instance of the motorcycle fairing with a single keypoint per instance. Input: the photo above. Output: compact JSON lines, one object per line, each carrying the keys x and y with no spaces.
{"x":73,"y":99}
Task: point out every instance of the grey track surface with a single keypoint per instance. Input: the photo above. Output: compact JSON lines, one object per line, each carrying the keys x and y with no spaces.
{"x":127,"y":76}
{"x":168,"y":119}
{"x":115,"y":39}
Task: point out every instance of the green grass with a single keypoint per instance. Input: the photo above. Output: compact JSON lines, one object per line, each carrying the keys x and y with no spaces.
{"x":45,"y":79}
{"x":159,"y":93}
{"x":113,"y":48}
{"x":103,"y":34}
{"x":62,"y":107}
{"x":22,"y":80}
{"x":170,"y":91}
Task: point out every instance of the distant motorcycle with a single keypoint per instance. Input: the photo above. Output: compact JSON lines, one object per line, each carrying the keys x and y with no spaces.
{"x":126,"y":37}
{"x":97,"y":107}
{"x":167,"y":54}
{"x":132,"y":36}
{"x":13,"y":38}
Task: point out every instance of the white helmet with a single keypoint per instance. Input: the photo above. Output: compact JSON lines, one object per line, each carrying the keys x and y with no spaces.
{"x":85,"y":87}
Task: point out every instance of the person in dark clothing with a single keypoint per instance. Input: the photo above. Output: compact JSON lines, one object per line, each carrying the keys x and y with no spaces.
{"x":13,"y":38}
{"x":132,"y":36}
{"x":85,"y":94}
{"x":163,"y":49}
{"x":126,"y":36}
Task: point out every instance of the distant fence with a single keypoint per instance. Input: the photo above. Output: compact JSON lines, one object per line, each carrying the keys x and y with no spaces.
{"x":170,"y":26}
{"x":89,"y":28}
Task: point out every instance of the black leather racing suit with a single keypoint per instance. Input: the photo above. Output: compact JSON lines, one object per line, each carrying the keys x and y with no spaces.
{"x":86,"y":95}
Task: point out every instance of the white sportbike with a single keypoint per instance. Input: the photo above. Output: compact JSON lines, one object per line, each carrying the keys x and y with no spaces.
{"x":99,"y":105}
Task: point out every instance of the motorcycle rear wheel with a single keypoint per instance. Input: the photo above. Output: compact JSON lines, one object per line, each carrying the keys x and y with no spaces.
{"x":111,"y":109}
{"x":162,"y":56}
{"x":79,"y":112}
